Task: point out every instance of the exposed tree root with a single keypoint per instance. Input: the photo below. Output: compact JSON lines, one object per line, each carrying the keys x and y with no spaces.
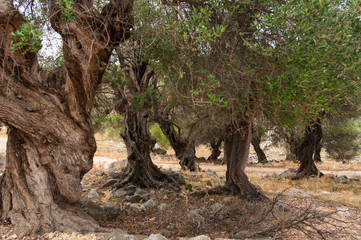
{"x":153,"y":178}
{"x":305,"y":173}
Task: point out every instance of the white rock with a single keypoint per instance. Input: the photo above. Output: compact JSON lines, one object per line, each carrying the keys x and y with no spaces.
{"x":325,"y":193}
{"x":93,"y":194}
{"x":343,"y":211}
{"x":156,"y":237}
{"x":14,"y":236}
{"x":137,"y":207}
{"x":150,"y":203}
{"x":200,"y":237}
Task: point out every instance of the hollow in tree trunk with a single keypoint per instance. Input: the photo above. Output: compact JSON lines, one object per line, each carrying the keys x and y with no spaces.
{"x":312,"y":138}
{"x":50,"y":139}
{"x":236,"y":150}
{"x":215,"y":145}
{"x":256,"y":140}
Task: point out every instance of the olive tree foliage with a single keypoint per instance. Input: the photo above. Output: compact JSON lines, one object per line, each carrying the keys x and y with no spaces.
{"x":342,"y":134}
{"x":232,"y":61}
{"x":317,"y":43}
{"x":47,"y":111}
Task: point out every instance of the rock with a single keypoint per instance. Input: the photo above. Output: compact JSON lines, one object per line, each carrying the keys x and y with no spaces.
{"x":156,"y":237}
{"x":140,"y":191}
{"x":227,"y":199}
{"x":158,"y":150}
{"x":217,"y":207}
{"x":295,"y":191}
{"x":211,"y":173}
{"x":242,"y":234}
{"x":14,"y":236}
{"x":171,"y":227}
{"x":131,"y":190}
{"x":150,"y":203}
{"x":137,"y":207}
{"x":213,"y":182}
{"x":93,"y":194}
{"x":288,"y":173}
{"x":325,"y":193}
{"x":117,"y":166}
{"x":101,"y":172}
{"x":200,"y":237}
{"x":274,"y":175}
{"x":120,"y":193}
{"x":163,"y":207}
{"x":137,"y":198}
{"x":100,"y":212}
{"x":117,"y":235}
{"x":343,"y":211}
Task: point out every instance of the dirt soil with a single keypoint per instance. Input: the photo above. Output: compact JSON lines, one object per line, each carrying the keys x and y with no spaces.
{"x":305,"y":209}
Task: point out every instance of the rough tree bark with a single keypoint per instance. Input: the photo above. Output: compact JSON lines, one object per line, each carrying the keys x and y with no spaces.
{"x":294,"y":142}
{"x":184,"y":149}
{"x":50,"y":139}
{"x":215,"y":145}
{"x":256,"y":140}
{"x":311,"y":140}
{"x":236,"y":150}
{"x":140,"y":170}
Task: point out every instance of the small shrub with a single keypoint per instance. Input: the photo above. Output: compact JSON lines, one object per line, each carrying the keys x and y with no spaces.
{"x":157,"y":133}
{"x":342,"y":139}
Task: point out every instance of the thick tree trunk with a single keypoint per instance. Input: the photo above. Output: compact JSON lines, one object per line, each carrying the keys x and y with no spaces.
{"x":141,"y":170}
{"x":188,"y":159}
{"x":236,"y":150}
{"x":312,"y":138}
{"x":41,"y":184}
{"x":184,"y":150}
{"x":215,"y":145}
{"x":50,"y":139}
{"x":292,"y":149}
{"x":260,"y":154}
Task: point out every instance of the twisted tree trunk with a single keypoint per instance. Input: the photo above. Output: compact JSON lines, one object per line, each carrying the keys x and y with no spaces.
{"x":50,"y":139}
{"x":236,"y":151}
{"x":140,"y":170}
{"x":256,"y":140}
{"x":184,"y":149}
{"x":312,"y":138}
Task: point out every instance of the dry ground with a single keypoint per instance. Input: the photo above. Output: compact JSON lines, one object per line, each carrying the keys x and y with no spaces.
{"x":191,"y":216}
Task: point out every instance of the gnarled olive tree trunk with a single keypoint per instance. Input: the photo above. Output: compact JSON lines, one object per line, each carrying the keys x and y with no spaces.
{"x":50,"y":139}
{"x":184,"y":149}
{"x":256,"y":140}
{"x":311,"y":140}
{"x":141,"y":170}
{"x":236,"y":151}
{"x":135,"y":131}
